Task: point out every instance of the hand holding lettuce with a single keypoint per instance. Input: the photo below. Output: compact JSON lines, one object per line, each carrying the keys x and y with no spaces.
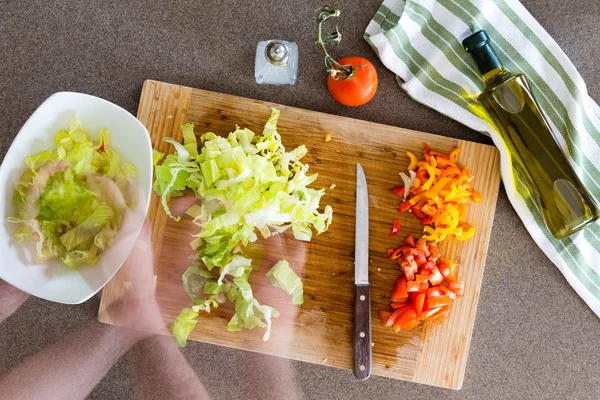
{"x":246,"y":182}
{"x":71,"y":199}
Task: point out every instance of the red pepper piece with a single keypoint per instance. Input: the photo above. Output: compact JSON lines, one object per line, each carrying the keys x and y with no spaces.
{"x":395,"y":227}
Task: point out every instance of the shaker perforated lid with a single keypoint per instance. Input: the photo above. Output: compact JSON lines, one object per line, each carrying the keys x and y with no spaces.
{"x":277,"y":52}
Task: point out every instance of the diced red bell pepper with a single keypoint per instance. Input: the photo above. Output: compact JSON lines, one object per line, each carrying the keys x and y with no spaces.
{"x":427,"y":221}
{"x":420,"y":278}
{"x":417,"y":212}
{"x":390,"y":252}
{"x":399,"y":190}
{"x":399,"y":291}
{"x":384,"y":316}
{"x":395,"y":227}
{"x":410,"y":240}
{"x":404,"y":206}
{"x":428,"y":210}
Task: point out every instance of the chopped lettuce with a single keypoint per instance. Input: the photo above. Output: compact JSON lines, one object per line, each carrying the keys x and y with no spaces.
{"x":248,"y":183}
{"x":71,"y":199}
{"x":281,"y":275}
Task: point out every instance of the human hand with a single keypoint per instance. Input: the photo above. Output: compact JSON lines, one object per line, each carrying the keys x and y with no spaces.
{"x":11,"y":299}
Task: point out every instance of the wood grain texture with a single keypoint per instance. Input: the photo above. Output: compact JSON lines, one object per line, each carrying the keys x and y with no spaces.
{"x":321,"y":330}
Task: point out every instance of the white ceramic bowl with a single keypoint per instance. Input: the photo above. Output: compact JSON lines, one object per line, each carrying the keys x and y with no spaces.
{"x":53,"y":280}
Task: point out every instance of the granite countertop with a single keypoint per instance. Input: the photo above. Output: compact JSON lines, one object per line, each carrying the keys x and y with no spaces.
{"x":534,"y":338}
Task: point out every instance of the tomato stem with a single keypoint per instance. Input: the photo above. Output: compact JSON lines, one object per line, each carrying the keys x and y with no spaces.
{"x":342,"y":71}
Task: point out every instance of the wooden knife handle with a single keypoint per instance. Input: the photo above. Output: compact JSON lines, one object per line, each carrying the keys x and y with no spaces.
{"x":362,"y":331}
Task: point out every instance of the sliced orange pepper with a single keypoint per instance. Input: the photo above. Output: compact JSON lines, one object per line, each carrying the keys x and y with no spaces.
{"x":476,"y":196}
{"x":453,"y":154}
{"x":413,"y":161}
{"x":468,"y":234}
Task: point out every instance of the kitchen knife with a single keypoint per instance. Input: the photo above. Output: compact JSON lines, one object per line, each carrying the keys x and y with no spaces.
{"x":362,"y":290}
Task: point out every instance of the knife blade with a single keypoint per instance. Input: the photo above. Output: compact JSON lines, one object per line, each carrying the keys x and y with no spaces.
{"x":362,"y":290}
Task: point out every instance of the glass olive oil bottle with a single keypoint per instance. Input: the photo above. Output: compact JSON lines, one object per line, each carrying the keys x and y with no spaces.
{"x":565,"y":203}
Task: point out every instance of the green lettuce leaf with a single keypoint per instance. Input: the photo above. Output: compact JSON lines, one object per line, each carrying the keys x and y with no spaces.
{"x":281,"y":275}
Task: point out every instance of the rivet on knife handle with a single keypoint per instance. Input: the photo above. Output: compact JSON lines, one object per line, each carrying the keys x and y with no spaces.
{"x":362,"y":331}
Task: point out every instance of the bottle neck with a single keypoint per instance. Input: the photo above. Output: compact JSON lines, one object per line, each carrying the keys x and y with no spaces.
{"x":487,"y":60}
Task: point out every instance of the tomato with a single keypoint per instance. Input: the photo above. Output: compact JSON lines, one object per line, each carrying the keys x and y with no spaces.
{"x":436,"y":277}
{"x":355,"y":90}
{"x":398,"y":304}
{"x":438,"y":301}
{"x":434,"y":292}
{"x":426,"y":290}
{"x":393,"y":316}
{"x":457,"y":287}
{"x":437,"y":313}
{"x":408,"y":271}
{"x":406,"y":316}
{"x":420,"y":259}
{"x":409,"y":325}
{"x":399,"y":293}
{"x":419,"y":303}
{"x":413,"y":286}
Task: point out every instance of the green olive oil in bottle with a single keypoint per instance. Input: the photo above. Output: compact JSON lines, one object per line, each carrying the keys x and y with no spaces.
{"x":565,"y":203}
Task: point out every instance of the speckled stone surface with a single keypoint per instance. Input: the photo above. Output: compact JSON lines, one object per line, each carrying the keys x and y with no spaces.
{"x":534,"y":338}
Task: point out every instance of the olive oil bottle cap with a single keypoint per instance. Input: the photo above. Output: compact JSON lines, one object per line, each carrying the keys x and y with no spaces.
{"x":478,"y":44}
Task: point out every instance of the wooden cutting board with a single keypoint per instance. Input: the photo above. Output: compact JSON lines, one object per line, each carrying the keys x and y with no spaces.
{"x":320,"y":331}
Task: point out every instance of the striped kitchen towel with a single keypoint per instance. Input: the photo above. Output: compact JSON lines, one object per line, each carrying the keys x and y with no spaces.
{"x":420,"y":41}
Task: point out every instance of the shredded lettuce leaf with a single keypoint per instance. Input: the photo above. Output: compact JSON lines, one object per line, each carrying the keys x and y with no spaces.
{"x":249,"y":184}
{"x":281,"y":275}
{"x":71,"y":199}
